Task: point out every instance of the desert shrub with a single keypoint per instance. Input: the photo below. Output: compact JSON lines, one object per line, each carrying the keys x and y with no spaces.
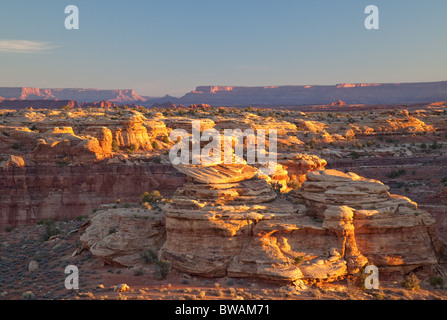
{"x":436,"y":281}
{"x":28,"y":295}
{"x":396,"y":173}
{"x":115,"y":147}
{"x":64,"y":161}
{"x":411,"y":282}
{"x":152,"y":197}
{"x":163,"y":268}
{"x":294,"y":184}
{"x":369,"y":143}
{"x":156,"y":159}
{"x":149,"y":256}
{"x":155,"y":145}
{"x":165,"y":139}
{"x":15,"y":146}
{"x":354,"y":155}
{"x":138,"y":272}
{"x":298,"y":260}
{"x":8,"y":228}
{"x":311,"y":144}
{"x":50,"y":229}
{"x":435,"y":145}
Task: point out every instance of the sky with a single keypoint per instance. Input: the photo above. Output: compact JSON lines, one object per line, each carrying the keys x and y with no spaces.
{"x":159,"y":47}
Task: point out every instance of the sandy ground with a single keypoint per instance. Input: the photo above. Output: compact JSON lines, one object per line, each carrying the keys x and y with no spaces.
{"x":99,"y":282}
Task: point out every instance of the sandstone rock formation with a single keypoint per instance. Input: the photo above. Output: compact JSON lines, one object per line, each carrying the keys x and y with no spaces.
{"x":51,"y":135}
{"x":390,"y":230}
{"x":34,"y":192}
{"x":337,"y":224}
{"x":118,"y":235}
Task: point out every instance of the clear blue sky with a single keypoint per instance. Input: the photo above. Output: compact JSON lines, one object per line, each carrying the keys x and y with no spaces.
{"x":163,"y":47}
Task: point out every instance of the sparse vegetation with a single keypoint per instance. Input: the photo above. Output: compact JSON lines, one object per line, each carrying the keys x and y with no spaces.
{"x":411,"y":282}
{"x":115,"y":147}
{"x":162,"y":269}
{"x":149,"y":256}
{"x":155,"y":145}
{"x":165,"y":139}
{"x":151,"y":198}
{"x":298,"y":260}
{"x":436,"y":282}
{"x":396,"y":173}
{"x":138,"y":272}
{"x":50,"y":229}
{"x":354,"y":155}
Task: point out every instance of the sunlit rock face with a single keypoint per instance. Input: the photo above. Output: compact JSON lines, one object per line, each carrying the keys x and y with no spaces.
{"x":332,"y":226}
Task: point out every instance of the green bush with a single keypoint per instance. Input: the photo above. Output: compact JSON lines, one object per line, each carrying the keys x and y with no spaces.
{"x":163,"y":268}
{"x":396,"y":173}
{"x":411,"y":282}
{"x":50,"y":229}
{"x":354,"y":155}
{"x":149,"y":256}
{"x":436,"y":282}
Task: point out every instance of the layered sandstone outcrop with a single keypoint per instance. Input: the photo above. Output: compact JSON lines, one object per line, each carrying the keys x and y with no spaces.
{"x":336,"y":224}
{"x":389,"y":229}
{"x":30,"y":193}
{"x":78,"y":136}
{"x":118,"y":235}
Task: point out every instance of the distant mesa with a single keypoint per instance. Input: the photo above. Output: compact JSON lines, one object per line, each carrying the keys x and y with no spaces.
{"x":357,"y":85}
{"x":80,"y":95}
{"x":349,"y":93}
{"x":232,"y":96}
{"x":338,"y":103}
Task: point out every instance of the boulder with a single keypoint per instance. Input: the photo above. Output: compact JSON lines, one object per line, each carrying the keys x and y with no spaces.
{"x":119,"y":235}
